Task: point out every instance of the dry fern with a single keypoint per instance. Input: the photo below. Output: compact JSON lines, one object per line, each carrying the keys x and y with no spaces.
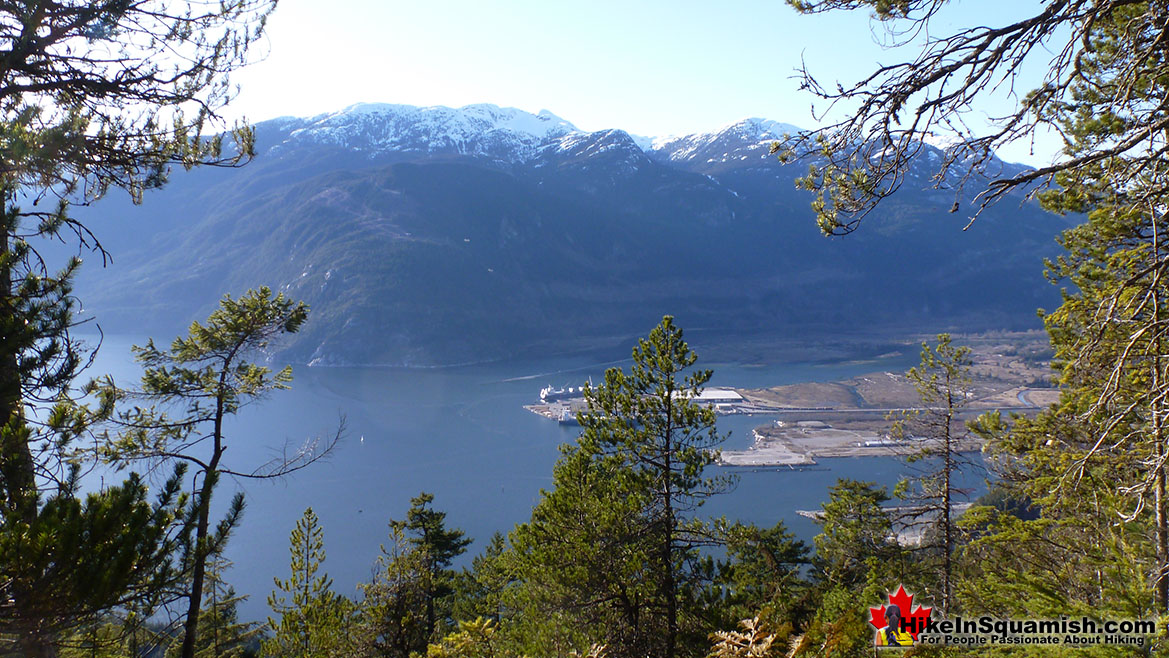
{"x":752,"y":642}
{"x":595,"y":651}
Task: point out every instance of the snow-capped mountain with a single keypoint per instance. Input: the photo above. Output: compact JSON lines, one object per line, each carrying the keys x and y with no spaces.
{"x":435,"y":235}
{"x":508,"y":135}
{"x":484,"y":130}
{"x":743,"y":140}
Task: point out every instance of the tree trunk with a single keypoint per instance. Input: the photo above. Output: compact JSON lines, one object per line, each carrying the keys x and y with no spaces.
{"x":198,"y":570}
{"x":669,"y":586}
{"x":16,"y":462}
{"x":210,"y":476}
{"x":431,"y":589}
{"x":1161,"y":577}
{"x":947,"y":475}
{"x":947,"y":525}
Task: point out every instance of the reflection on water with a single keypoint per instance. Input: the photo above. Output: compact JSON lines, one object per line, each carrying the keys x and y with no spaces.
{"x":462,"y":434}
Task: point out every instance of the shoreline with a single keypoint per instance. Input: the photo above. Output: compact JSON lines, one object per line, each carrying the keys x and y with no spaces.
{"x":802,"y":446}
{"x":853,"y":417}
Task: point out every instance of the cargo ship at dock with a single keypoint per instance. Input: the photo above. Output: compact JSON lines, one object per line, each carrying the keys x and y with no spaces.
{"x":550,"y":394}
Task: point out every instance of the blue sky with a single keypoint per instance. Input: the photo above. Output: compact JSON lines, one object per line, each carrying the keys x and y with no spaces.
{"x":650,"y":67}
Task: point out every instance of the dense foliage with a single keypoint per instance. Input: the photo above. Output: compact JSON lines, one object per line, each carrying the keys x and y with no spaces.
{"x":93,"y":96}
{"x":1101,"y":63}
{"x":615,"y":560}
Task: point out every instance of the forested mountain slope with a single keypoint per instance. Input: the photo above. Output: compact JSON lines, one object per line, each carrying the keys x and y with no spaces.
{"x":428,"y":236}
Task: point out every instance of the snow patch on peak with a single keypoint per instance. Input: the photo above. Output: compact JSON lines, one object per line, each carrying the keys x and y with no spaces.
{"x":731,"y":141}
{"x":358,"y":109}
{"x":507,"y":134}
{"x":597,"y":142}
{"x":543,"y":125}
{"x":943,"y":141}
{"x":644,"y":143}
{"x":504,"y":133}
{"x":571,"y":141}
{"x":761,"y":129}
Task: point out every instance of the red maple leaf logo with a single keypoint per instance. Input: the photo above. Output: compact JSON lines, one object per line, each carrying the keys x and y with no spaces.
{"x":912,"y":621}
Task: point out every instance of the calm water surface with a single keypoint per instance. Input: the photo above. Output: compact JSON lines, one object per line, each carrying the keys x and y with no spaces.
{"x":461,"y":434}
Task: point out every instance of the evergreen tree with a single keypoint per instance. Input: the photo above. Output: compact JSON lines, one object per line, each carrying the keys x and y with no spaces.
{"x":479,"y":590}
{"x":1108,"y":71}
{"x":398,"y":598}
{"x":762,"y":577}
{"x":1075,"y":556}
{"x":581,"y":564}
{"x":207,"y":378}
{"x":1110,"y":334}
{"x":840,"y":626}
{"x":221,"y":633}
{"x":65,"y":559}
{"x":854,"y":546}
{"x":77,"y":560}
{"x":856,"y":562}
{"x":1094,"y":465}
{"x":649,"y":420}
{"x":438,"y":546}
{"x":610,"y":554}
{"x":104,"y":639}
{"x":93,"y":96}
{"x":1099,"y":455}
{"x":314,"y":621}
{"x":935,"y":432}
{"x":474,"y":639}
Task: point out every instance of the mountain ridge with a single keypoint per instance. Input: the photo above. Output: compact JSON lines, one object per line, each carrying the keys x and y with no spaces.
{"x":425,"y":236}
{"x":381,"y":127}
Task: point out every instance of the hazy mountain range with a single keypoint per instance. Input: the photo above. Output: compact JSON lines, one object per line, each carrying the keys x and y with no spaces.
{"x":428,"y":236}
